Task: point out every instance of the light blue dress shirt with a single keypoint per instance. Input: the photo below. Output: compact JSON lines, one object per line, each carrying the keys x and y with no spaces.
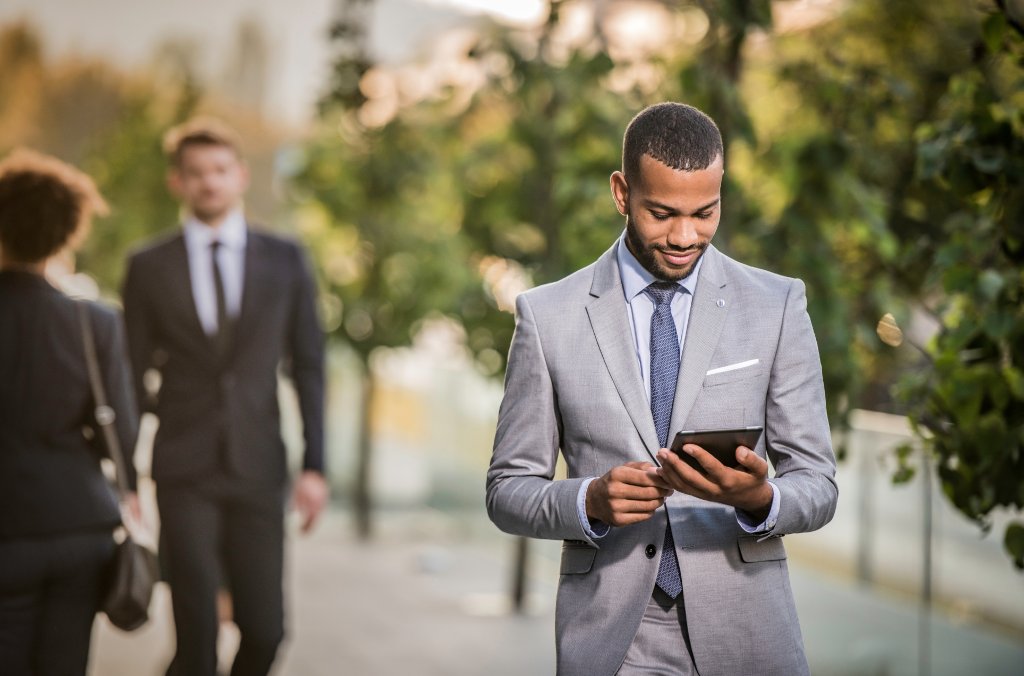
{"x":231,"y":234}
{"x":640,"y":308}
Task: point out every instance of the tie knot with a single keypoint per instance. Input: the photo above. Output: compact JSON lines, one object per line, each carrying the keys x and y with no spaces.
{"x":661,"y":292}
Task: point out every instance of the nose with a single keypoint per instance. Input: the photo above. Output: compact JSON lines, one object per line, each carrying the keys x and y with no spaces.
{"x":683,"y":233}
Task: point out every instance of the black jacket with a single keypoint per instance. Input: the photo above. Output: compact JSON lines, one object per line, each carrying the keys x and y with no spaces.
{"x":50,"y":478}
{"x":209,"y":405}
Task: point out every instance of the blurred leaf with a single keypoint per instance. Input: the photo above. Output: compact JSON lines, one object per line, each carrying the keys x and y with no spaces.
{"x":888,"y":331}
{"x":905,"y":470}
{"x":994,"y":31}
{"x":990,"y":283}
{"x":989,"y":160}
{"x":1015,"y":381}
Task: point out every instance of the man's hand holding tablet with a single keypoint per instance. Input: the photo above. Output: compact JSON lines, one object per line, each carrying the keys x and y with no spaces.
{"x":719,"y":466}
{"x":722,"y":444}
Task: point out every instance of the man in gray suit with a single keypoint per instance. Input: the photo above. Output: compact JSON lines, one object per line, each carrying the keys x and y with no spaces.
{"x":666,"y":569}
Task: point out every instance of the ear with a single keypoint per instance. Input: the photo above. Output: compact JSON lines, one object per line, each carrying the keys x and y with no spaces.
{"x":174,"y":182}
{"x":246,"y":176}
{"x":620,"y":192}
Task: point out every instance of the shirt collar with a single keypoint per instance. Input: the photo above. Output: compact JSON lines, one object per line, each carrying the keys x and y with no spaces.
{"x":231,"y":233}
{"x":635,"y":277}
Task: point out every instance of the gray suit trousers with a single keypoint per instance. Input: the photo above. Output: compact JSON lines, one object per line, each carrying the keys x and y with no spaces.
{"x":660,"y":647}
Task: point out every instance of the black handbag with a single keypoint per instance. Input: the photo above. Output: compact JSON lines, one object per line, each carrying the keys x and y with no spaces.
{"x":134,"y":570}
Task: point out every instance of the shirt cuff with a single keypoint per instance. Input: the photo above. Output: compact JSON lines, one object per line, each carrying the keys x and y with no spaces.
{"x":595,"y":530}
{"x":768,"y":523}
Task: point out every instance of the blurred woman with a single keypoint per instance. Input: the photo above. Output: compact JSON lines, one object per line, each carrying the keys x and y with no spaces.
{"x":57,"y":510}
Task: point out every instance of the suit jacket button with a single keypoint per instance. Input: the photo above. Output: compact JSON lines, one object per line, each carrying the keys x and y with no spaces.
{"x":650,"y":551}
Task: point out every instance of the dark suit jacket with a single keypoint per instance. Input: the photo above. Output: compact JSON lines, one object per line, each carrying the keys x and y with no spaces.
{"x":50,"y":478}
{"x":224,"y":409}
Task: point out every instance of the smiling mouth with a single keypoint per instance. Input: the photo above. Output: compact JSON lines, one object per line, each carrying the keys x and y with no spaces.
{"x":680,"y":258}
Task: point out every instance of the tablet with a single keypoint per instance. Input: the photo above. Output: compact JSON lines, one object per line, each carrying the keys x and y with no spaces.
{"x":719,"y":443}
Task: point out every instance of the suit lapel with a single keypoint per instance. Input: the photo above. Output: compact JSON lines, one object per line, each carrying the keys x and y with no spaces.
{"x":711,"y":304}
{"x":610,"y":322}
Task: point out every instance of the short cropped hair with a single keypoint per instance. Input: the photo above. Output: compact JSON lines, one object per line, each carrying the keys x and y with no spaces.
{"x":199,"y":131}
{"x":44,"y":203}
{"x":677,"y":135}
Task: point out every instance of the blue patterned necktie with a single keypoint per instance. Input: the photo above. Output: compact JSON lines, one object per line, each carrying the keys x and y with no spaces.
{"x":664,"y":372}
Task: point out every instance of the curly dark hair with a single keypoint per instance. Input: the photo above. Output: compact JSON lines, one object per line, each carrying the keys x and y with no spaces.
{"x":675,"y":134}
{"x":45,"y":204}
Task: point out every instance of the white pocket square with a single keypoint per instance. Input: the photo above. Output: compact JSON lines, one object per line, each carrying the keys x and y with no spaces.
{"x":733,"y":367}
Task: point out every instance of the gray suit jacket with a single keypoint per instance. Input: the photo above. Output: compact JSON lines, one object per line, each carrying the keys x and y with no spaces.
{"x":573,"y":384}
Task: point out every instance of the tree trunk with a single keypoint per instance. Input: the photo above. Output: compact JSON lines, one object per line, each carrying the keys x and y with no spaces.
{"x":519,"y":575}
{"x":362,"y":499}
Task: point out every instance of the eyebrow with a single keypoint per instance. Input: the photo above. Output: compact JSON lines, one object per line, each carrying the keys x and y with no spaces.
{"x":658,"y":205}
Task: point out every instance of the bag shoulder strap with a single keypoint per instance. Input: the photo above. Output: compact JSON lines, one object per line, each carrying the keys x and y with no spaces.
{"x":105,"y":415}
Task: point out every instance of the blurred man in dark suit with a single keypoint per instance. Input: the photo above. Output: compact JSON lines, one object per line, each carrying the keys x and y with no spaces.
{"x":216,"y":308}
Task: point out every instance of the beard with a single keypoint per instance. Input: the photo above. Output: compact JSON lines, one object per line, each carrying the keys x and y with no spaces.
{"x":645,"y":255}
{"x":211,"y":211}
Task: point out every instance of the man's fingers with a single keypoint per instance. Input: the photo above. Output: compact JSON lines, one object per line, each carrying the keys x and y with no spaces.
{"x":634,"y":492}
{"x":685,"y":474}
{"x":310,"y":509}
{"x":652,"y":478}
{"x":309,"y":519}
{"x":710,"y":463}
{"x":310,"y":497}
{"x":634,"y":506}
{"x":620,"y":519}
{"x":626,"y":494}
{"x":757,"y":465}
{"x":637,"y":474}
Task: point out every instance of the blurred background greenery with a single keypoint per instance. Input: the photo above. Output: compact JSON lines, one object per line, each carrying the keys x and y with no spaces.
{"x":446,"y":155}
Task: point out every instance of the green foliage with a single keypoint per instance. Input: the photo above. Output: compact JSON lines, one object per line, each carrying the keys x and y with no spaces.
{"x":448,"y":205}
{"x":351,"y":62}
{"x":905,"y":471}
{"x":382,"y":222}
{"x":971,"y":159}
{"x":129,"y":167}
{"x":538,"y":143}
{"x":864,"y":83}
{"x":104,"y":121}
{"x":902,"y":165}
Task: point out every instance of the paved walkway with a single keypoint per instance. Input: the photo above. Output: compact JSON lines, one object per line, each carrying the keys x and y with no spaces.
{"x":426,"y":599}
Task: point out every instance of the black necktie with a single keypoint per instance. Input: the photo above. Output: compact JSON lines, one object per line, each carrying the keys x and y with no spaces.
{"x":222,"y":335}
{"x":664,"y":372}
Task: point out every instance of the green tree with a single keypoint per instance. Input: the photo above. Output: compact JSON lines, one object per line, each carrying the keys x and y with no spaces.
{"x":108,"y":123}
{"x":383,"y":215}
{"x":22,"y":81}
{"x":129,"y":167}
{"x":897,"y":161}
{"x":384,"y":223}
{"x":968,"y":408}
{"x":538,"y":142}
